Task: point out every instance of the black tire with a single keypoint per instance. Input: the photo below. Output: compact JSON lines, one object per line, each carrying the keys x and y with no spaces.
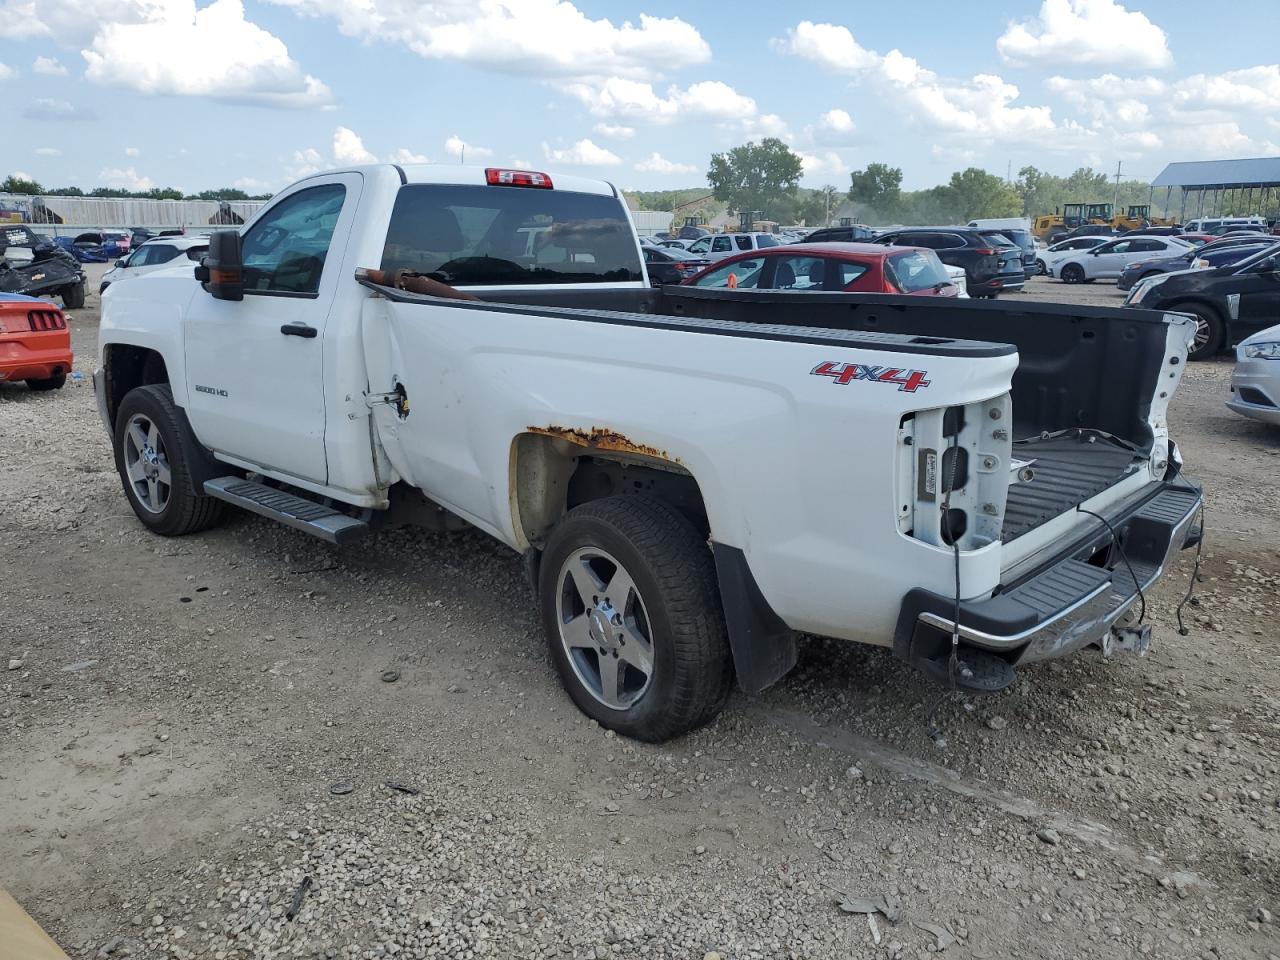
{"x":1073,"y":273}
{"x":674,"y":576}
{"x":51,"y":383}
{"x":187,"y":509}
{"x":1041,"y":268}
{"x":1209,"y":329}
{"x":73,"y":297}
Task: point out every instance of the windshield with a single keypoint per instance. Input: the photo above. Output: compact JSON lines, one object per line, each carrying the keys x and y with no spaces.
{"x":1021,"y":238}
{"x":468,"y":235}
{"x":917,"y":270}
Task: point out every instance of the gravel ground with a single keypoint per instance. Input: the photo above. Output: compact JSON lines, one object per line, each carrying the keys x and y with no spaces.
{"x":190,"y":730}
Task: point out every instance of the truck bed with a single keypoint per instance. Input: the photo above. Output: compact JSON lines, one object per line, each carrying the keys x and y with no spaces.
{"x":1067,"y":470}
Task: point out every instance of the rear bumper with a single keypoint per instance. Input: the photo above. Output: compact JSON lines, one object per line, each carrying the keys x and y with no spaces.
{"x":1073,"y":599}
{"x":1011,"y":281}
{"x":36,"y":356}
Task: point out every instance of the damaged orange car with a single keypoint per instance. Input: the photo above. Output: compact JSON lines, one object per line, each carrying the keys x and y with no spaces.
{"x":35,"y":344}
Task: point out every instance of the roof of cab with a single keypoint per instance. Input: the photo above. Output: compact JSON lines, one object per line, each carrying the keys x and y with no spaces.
{"x":470,"y":175}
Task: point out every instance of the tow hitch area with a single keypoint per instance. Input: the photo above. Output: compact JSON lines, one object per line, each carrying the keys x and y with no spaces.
{"x":1134,"y":640}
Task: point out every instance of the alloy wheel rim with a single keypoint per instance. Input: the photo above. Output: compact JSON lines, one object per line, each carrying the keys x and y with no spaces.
{"x":604,"y":627}
{"x":1202,"y":333}
{"x":146,"y":464}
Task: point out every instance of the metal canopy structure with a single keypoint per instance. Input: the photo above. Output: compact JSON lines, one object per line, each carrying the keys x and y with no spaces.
{"x":1227,"y":185}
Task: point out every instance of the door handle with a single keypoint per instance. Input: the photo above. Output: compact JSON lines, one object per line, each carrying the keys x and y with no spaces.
{"x":298,"y":330}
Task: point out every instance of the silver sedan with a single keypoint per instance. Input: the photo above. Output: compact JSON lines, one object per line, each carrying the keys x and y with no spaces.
{"x":1255,"y":383}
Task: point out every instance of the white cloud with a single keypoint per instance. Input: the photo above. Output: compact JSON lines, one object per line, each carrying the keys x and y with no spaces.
{"x":48,"y":108}
{"x":1086,"y":32}
{"x":213,"y":51}
{"x":621,"y":98}
{"x":7,"y":72}
{"x":304,"y":163}
{"x":48,"y":67}
{"x":615,"y":130}
{"x":829,"y":44}
{"x":766,"y":125}
{"x":1253,"y":88}
{"x":457,"y":147}
{"x":132,"y":152}
{"x":1106,"y":87}
{"x":981,"y":107}
{"x":348,"y":148}
{"x":827,"y":164}
{"x":127,"y":179}
{"x":834,"y":128}
{"x":550,"y":38}
{"x":22,"y":175}
{"x":657,"y":163}
{"x":48,"y":152}
{"x":252,"y":185}
{"x":405,"y":155}
{"x":584,"y":153}
{"x":18,"y":20}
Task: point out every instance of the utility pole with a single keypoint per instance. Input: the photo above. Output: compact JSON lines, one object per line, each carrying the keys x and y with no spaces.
{"x":1115,"y":199}
{"x":1008,"y":174}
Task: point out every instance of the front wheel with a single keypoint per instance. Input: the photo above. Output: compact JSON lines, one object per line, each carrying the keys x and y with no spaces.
{"x":1073,"y":273}
{"x":154,"y":452}
{"x":632,"y":614}
{"x":1041,"y":268}
{"x":1209,"y":330}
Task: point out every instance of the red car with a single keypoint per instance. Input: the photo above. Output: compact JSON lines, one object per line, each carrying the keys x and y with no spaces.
{"x":834,"y":268}
{"x":35,"y":344}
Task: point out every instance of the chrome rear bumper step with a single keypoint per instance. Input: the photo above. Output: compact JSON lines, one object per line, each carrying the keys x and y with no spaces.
{"x":297,"y":512}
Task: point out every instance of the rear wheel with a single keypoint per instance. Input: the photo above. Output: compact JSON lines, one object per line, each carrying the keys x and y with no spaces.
{"x":632,"y":615}
{"x":1073,"y":273}
{"x":48,"y":383}
{"x":154,"y":451}
{"x":1041,"y":268}
{"x":73,"y":297}
{"x":1209,"y":330}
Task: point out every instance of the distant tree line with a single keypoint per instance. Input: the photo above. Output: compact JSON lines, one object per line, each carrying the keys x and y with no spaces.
{"x":31,"y":188}
{"x":765,"y":177}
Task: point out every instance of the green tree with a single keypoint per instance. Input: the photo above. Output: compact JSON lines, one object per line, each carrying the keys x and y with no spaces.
{"x":14,"y":184}
{"x":64,"y":192}
{"x":160,"y":193}
{"x":879,"y":186}
{"x":755,"y":176}
{"x":223,"y":193}
{"x":977,"y":194}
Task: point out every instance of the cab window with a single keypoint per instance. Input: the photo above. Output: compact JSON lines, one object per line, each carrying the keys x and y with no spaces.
{"x":284,"y":252}
{"x":801,"y":273}
{"x":722,"y":245}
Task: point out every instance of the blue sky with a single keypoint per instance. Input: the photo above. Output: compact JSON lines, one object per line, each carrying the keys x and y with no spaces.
{"x":205,"y":93}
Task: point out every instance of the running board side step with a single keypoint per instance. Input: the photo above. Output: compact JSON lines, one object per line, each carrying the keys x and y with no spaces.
{"x":297,"y":512}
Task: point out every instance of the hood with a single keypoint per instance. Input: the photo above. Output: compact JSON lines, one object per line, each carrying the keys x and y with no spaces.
{"x":19,"y":298}
{"x":1262,"y":336}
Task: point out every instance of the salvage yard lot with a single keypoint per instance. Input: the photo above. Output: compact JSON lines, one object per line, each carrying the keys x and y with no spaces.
{"x":180,"y":711}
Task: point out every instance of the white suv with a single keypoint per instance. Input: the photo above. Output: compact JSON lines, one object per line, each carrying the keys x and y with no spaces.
{"x":153,"y":255}
{"x":720,"y":245}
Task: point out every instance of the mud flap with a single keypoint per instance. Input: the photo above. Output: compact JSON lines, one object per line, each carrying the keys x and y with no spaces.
{"x":764,"y":648}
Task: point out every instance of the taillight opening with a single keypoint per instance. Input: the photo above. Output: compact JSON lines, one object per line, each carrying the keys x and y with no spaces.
{"x":499,"y":177}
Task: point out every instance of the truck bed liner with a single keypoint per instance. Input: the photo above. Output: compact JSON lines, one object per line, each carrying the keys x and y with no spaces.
{"x":1068,"y":470}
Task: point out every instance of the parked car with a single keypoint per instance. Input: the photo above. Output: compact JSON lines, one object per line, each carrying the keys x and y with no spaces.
{"x":32,"y":264}
{"x":1255,"y":381}
{"x":991,"y":261}
{"x":1054,"y":254}
{"x":1228,"y":302}
{"x":676,"y":244}
{"x":692,"y":476}
{"x":1108,"y":260}
{"x":853,"y":233}
{"x":1217,"y":254}
{"x":35,"y":344}
{"x":121,"y":238}
{"x":720,"y":245}
{"x":671,"y":265}
{"x":959,"y":279}
{"x":691,"y":232}
{"x":155,"y":255}
{"x":140,"y":235}
{"x":1087,"y":230}
{"x":92,"y":247}
{"x":1198,"y":239}
{"x":1156,"y":232}
{"x":832,"y":268}
{"x":1017,"y":229}
{"x":1210,"y":224}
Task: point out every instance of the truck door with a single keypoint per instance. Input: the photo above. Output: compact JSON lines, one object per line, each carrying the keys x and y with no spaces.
{"x":255,"y":368}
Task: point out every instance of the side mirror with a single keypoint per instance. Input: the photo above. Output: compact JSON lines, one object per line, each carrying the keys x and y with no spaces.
{"x":221,"y":271}
{"x":122,"y":262}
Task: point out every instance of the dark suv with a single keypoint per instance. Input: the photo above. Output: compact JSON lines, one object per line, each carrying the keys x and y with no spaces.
{"x":991,"y":261}
{"x":855,"y":233}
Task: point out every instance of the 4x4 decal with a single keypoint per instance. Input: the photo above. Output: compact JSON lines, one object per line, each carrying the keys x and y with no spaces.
{"x":908,"y":381}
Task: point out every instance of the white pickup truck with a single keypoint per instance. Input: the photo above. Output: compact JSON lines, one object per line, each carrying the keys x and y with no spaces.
{"x":694,"y":476}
